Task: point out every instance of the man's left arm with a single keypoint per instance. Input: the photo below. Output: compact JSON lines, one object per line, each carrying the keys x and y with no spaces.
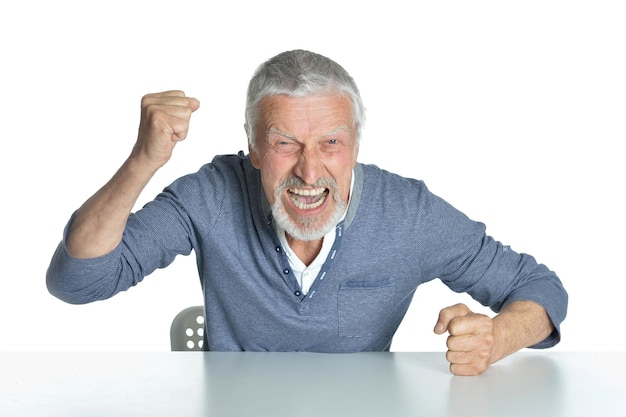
{"x":476,"y":341}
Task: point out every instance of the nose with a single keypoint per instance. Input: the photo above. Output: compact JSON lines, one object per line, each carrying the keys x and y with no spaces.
{"x":309,"y":167}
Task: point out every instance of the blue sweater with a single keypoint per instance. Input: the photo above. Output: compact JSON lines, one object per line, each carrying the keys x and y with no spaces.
{"x":396,"y":236}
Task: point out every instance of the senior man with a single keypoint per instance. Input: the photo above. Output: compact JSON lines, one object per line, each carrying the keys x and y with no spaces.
{"x":299,"y":246}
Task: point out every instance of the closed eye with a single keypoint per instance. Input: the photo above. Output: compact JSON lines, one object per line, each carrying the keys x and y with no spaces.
{"x":283,"y":145}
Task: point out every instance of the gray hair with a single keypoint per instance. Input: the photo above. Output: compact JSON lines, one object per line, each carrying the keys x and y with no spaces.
{"x":300,"y":73}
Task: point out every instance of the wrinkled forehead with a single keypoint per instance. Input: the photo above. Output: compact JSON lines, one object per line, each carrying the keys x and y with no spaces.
{"x":294,"y":116}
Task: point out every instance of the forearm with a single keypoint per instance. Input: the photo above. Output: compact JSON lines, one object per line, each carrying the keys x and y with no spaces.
{"x":519,"y":325}
{"x":99,"y":223}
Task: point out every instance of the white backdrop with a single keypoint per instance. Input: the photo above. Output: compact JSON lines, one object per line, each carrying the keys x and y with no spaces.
{"x":512,"y":111}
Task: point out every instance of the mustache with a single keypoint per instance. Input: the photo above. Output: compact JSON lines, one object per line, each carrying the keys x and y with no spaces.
{"x":298,"y":182}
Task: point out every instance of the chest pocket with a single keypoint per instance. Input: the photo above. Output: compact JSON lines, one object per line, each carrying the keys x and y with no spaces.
{"x":365,"y":307}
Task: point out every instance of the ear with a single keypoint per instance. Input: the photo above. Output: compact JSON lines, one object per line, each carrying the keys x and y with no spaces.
{"x":355,"y":155}
{"x":254,"y":155}
{"x":355,"y":150}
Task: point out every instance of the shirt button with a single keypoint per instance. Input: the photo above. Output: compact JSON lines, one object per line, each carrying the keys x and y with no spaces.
{"x":297,"y":293}
{"x":286,"y":271}
{"x":277,"y":248}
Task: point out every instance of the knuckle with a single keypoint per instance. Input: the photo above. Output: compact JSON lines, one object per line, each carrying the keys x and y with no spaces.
{"x":484,"y":355}
{"x":450,"y":343}
{"x":147,"y":100}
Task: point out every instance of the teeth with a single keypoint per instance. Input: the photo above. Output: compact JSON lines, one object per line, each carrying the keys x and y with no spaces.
{"x":303,"y":206}
{"x":293,"y":193}
{"x":307,"y":192}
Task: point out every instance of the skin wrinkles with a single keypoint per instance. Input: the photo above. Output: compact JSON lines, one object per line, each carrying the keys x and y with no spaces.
{"x":311,"y":139}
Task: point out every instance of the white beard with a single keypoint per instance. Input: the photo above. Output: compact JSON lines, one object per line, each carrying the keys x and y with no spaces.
{"x":302,"y":228}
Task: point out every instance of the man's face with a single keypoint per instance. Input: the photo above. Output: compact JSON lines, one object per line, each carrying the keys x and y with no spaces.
{"x":306,"y":149}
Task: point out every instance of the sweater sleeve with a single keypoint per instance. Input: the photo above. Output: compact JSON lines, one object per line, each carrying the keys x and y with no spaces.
{"x":470,"y":261}
{"x":153,"y":237}
{"x":142,"y":250}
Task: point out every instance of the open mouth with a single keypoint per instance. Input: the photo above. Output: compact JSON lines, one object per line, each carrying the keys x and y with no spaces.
{"x":307,"y":198}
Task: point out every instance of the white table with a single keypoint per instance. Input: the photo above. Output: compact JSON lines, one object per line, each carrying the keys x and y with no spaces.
{"x":181,"y":384}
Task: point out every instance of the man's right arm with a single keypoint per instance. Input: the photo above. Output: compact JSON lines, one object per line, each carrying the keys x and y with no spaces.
{"x":99,"y":223}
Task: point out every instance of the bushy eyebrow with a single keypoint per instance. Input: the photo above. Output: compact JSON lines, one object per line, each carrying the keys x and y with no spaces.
{"x":336,"y":130}
{"x":273,"y":130}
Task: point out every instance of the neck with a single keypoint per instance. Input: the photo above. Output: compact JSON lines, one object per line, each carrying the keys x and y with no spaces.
{"x":305,"y":250}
